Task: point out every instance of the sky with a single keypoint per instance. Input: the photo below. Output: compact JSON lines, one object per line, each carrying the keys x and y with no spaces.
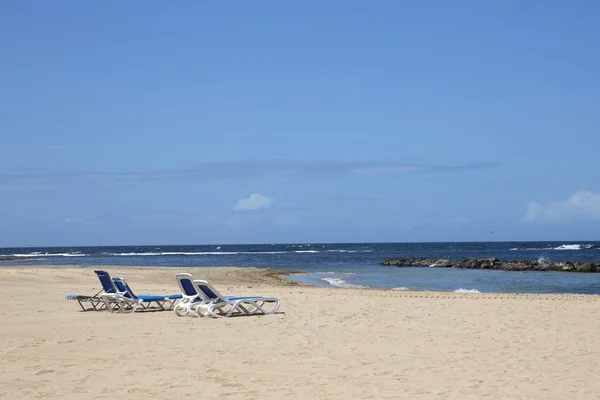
{"x":150,"y":122}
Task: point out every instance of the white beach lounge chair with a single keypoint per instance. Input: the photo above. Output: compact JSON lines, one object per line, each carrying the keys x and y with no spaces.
{"x":217,"y":305}
{"x":191,"y":297}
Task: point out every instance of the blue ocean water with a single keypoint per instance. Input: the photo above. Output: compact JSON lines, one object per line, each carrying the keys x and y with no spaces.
{"x":352,"y":264}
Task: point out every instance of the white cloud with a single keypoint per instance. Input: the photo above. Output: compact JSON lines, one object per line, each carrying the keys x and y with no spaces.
{"x":256,"y":201}
{"x":582,"y":204}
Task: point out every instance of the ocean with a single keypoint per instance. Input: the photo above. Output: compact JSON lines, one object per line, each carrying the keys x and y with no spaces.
{"x":351,"y":264}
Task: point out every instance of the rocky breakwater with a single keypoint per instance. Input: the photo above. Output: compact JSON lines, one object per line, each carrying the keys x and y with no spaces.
{"x":494,"y":263}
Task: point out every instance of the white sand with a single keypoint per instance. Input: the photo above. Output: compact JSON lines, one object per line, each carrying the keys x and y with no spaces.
{"x":323,"y":344}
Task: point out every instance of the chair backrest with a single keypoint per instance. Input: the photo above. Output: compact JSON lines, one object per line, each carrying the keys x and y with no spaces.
{"x":208,"y":290}
{"x":107,"y":283}
{"x":186,"y":285}
{"x":123,"y":287}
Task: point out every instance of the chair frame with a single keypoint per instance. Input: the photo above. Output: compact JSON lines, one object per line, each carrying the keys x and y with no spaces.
{"x":96,"y":301}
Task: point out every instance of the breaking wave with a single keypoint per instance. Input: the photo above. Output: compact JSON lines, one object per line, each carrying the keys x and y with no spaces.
{"x":571,"y":247}
{"x":191,"y":253}
{"x":177,"y":253}
{"x":574,"y":247}
{"x":39,"y":254}
{"x":342,"y":283}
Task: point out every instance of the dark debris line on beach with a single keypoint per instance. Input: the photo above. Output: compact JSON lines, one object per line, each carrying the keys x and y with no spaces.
{"x":494,"y":263}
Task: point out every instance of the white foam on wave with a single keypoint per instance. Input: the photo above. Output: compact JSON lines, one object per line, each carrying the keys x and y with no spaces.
{"x":574,"y":247}
{"x":532,"y":249}
{"x":341,"y":283}
{"x":569,"y":247}
{"x":34,"y":254}
{"x":193,"y":253}
{"x":402,"y":288}
{"x":461,"y":290}
{"x":219,"y":253}
{"x":39,"y":254}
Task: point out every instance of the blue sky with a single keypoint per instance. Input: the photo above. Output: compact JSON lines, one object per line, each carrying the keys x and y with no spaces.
{"x":145,"y":122}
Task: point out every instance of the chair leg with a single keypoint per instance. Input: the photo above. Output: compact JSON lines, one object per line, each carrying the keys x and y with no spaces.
{"x":81,"y":305}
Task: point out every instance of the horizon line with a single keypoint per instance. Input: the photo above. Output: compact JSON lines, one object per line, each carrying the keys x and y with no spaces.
{"x":306,"y":243}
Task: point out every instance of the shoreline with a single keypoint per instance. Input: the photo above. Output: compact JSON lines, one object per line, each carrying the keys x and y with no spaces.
{"x":274,"y":277}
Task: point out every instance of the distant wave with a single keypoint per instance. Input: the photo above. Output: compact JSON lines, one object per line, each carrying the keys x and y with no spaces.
{"x":574,"y":247}
{"x":180,"y":253}
{"x":531,"y":249}
{"x":38,"y":254}
{"x":401,"y":288}
{"x":571,"y":247}
{"x":461,"y":290}
{"x":190,"y":253}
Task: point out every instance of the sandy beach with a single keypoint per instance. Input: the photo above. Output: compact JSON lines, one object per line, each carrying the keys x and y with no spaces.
{"x":322,"y":344}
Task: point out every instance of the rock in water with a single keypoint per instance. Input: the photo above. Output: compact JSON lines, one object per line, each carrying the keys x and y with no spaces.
{"x":494,"y":263}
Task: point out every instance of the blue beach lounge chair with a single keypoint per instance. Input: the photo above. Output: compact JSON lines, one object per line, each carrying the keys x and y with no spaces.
{"x":110,"y":294}
{"x":96,"y":302}
{"x":130,"y":302}
{"x":219,"y":306}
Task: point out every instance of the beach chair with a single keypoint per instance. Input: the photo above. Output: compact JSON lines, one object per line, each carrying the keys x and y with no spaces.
{"x":110,"y":294}
{"x":130,"y":302}
{"x":219,"y":306}
{"x":191,"y":297}
{"x":96,"y":302}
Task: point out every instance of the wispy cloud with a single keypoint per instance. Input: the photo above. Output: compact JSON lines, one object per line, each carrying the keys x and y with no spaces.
{"x":281,"y":169}
{"x":256,"y":201}
{"x":582,"y":204}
